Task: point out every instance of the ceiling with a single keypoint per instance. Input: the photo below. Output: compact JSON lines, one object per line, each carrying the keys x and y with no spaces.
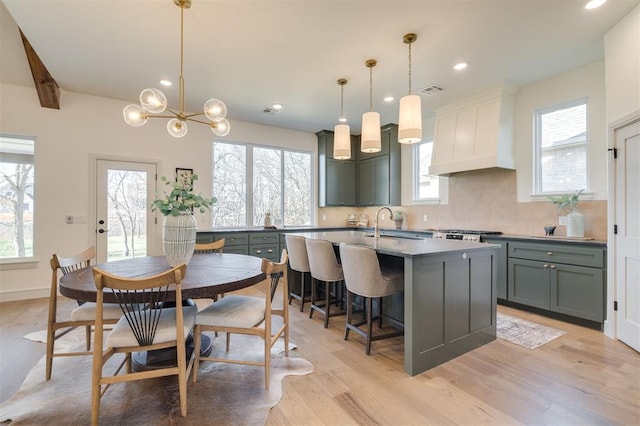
{"x":253,"y":53}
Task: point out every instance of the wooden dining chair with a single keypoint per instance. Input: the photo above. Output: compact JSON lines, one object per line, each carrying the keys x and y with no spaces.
{"x":251,"y":315}
{"x":214,"y":247}
{"x":82,"y":316}
{"x":147,"y":324}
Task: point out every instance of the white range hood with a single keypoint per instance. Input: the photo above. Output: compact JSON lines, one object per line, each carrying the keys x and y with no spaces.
{"x":476,"y":133}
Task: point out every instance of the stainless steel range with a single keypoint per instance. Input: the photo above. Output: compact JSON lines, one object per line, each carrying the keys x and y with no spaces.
{"x":463,"y":234}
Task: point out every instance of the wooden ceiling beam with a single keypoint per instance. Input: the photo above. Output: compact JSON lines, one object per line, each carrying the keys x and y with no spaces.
{"x":46,"y":86}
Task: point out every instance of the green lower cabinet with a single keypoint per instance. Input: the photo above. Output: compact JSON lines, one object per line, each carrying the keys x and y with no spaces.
{"x":529,"y":283}
{"x":577,"y":291}
{"x":502,"y":261}
{"x":559,"y":278}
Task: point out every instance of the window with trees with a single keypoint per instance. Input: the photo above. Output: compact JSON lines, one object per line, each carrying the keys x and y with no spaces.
{"x":251,"y":180}
{"x":16,"y":196}
{"x":425,"y":186}
{"x":561,"y":148}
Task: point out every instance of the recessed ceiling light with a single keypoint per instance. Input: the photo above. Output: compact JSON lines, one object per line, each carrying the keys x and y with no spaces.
{"x":165,"y":83}
{"x":388,"y":98}
{"x":593,"y":4}
{"x":276,"y":106}
{"x":460,"y":66}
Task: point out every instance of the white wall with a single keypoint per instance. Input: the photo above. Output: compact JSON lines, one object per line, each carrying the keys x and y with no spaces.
{"x":622,"y":67}
{"x":586,"y":81}
{"x":88,"y":125}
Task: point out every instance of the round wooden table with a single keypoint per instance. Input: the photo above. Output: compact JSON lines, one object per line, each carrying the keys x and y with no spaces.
{"x":207,"y":275}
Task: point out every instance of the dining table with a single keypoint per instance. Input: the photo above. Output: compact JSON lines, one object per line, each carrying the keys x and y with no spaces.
{"x":208,"y":275}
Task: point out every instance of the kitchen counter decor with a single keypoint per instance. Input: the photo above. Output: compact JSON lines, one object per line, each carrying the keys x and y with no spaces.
{"x":179,"y":225}
{"x":575,"y":219}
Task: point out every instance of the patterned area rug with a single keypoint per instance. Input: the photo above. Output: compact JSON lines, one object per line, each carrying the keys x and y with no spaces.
{"x":525,"y":333}
{"x":225,"y":394}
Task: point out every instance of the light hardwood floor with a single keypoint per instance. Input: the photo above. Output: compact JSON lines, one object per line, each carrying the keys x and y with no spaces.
{"x":582,"y":377}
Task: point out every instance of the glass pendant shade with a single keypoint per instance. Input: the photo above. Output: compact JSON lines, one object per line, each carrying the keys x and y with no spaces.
{"x":134,"y":115}
{"x":177,"y":128}
{"x":371,"y":137}
{"x":410,"y":120}
{"x":221,"y":128}
{"x":342,"y":142}
{"x":153,"y":100}
{"x":215,"y":110}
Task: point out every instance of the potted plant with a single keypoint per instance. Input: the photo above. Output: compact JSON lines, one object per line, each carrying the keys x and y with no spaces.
{"x":398,"y":218}
{"x":179,"y":225}
{"x":575,"y":219}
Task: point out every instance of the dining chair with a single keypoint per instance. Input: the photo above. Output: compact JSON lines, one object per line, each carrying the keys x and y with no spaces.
{"x":364,"y":277}
{"x":82,"y":316}
{"x":250,"y":315}
{"x":214,"y":247}
{"x":147,"y":324}
{"x":299,"y":262}
{"x":324,"y":269}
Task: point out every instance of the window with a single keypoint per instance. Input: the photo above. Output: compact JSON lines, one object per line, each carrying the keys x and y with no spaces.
{"x":16,"y":196}
{"x":426,"y":187}
{"x":561,"y":148}
{"x":251,"y":180}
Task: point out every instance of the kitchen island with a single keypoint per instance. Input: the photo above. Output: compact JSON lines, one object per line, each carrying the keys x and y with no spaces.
{"x":449,"y":293}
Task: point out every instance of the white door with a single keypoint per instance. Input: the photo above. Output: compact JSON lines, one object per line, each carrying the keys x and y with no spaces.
{"x":125,"y":226}
{"x":627,"y":240}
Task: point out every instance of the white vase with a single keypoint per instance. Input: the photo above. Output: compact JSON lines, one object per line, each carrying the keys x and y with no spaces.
{"x":179,"y":238}
{"x":575,"y":224}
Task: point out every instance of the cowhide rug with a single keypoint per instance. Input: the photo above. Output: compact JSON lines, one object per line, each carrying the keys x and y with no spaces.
{"x":225,"y":394}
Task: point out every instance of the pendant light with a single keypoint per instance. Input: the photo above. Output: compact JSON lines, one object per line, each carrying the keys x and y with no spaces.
{"x":371,"y":140}
{"x":341,"y":132}
{"x":410,"y":117}
{"x":153,"y":101}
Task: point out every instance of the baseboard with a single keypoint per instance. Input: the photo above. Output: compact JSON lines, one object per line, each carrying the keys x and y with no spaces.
{"x":34,"y":293}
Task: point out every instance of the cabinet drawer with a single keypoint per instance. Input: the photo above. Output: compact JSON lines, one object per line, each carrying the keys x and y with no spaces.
{"x":558,"y":253}
{"x":233,"y":239}
{"x":270,"y":251}
{"x":264,"y":238}
{"x":236,"y":249}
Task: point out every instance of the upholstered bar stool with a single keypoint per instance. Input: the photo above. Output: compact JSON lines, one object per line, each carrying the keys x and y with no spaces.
{"x":299,"y":262}
{"x":364,"y":277}
{"x":325,"y":269}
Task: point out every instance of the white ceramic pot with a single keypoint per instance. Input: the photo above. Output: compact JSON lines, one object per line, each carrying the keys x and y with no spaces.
{"x":179,"y":238}
{"x":575,"y":224}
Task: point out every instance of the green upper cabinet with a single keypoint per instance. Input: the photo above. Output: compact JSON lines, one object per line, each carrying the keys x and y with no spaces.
{"x":379,"y":172}
{"x":371,"y":180}
{"x":336,"y":178}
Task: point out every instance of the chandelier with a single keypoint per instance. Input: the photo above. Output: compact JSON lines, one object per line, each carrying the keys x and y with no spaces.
{"x":153,"y":101}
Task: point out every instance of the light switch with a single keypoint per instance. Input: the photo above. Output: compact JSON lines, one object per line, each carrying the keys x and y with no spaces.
{"x":424,"y":218}
{"x":324,"y":217}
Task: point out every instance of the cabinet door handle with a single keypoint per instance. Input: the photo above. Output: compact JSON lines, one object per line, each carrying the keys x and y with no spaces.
{"x":258,"y":251}
{"x":549,"y":253}
{"x":552,"y":266}
{"x":231,"y":239}
{"x":545,"y":266}
{"x":269,"y":251}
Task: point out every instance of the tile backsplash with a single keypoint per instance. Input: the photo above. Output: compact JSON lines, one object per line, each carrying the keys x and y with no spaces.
{"x":482,"y":199}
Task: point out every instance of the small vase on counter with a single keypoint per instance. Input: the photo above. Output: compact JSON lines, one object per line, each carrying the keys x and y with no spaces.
{"x":575,"y":224}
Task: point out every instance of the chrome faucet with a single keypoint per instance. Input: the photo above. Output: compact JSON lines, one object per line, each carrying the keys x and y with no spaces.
{"x":376,"y":227}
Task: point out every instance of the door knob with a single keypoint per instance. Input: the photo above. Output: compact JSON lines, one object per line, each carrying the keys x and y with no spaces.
{"x":102,"y":231}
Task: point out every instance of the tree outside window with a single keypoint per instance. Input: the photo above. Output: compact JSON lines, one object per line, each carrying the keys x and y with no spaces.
{"x":260,"y":180}
{"x":16,"y":196}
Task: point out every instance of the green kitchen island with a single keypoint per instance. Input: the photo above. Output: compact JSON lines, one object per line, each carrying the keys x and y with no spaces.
{"x":449,"y":293}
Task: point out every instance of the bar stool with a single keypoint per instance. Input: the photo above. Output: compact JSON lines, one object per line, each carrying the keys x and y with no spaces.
{"x":299,"y":262}
{"x":326,"y":269}
{"x":364,"y":277}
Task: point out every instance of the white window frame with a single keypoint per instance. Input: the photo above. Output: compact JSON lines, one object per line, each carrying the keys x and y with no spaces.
{"x":537,"y":147}
{"x":415,"y":179}
{"x":249,"y":148}
{"x":24,"y":262}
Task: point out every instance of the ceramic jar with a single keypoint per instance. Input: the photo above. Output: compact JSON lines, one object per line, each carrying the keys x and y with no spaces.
{"x":179,"y":238}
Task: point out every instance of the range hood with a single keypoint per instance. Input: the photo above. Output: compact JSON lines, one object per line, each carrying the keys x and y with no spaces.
{"x":473,"y":134}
